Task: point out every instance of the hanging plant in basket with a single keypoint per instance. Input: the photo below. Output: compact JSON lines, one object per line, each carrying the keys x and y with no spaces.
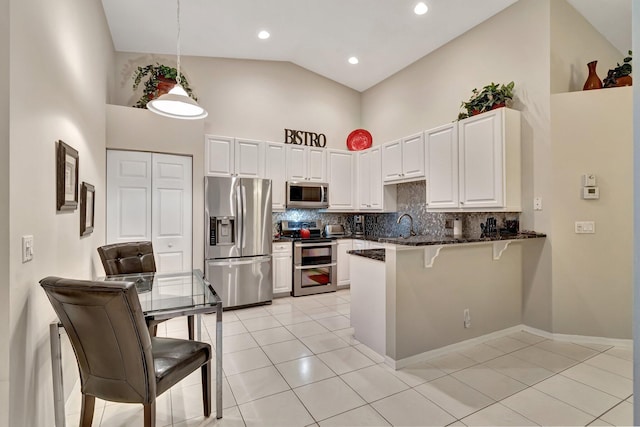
{"x":490,"y":97}
{"x":160,"y":80}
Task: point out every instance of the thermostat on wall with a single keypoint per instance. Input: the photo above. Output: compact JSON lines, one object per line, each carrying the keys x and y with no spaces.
{"x":590,"y":193}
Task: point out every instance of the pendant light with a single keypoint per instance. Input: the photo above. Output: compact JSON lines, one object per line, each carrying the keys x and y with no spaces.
{"x":177,"y":104}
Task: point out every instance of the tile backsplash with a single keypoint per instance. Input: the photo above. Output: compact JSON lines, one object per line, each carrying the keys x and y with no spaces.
{"x":412,"y":200}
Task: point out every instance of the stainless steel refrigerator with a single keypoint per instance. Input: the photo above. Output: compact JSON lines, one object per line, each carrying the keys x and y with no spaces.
{"x":238,"y":239}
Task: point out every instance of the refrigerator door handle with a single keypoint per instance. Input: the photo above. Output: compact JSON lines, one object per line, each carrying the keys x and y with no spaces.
{"x":240,"y":261}
{"x":239,"y":217}
{"x":243,"y":192}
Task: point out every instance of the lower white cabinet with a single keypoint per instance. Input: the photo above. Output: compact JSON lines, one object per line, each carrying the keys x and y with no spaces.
{"x":344,"y":275}
{"x":282,"y":258}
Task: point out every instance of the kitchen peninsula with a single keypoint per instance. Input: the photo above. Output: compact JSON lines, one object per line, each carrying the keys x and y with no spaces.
{"x":409,"y":299}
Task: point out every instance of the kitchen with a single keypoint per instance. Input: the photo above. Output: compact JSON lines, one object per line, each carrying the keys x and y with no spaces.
{"x":426,"y":103}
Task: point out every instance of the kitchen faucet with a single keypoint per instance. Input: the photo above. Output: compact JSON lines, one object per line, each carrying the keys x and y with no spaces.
{"x":411,"y":232}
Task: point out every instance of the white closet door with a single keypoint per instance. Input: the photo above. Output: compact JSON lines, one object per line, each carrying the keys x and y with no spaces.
{"x":149,"y":197}
{"x":171,"y":212}
{"x":128,"y":196}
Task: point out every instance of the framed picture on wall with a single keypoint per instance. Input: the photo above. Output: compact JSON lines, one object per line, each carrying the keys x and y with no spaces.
{"x":66,"y":177}
{"x":87,"y":208}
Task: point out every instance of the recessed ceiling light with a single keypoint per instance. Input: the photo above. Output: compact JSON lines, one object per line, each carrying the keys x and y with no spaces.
{"x":263,"y":35}
{"x":353,"y":60}
{"x":420,"y":9}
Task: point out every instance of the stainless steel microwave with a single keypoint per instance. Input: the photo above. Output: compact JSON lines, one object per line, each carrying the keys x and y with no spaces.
{"x":309,"y":195}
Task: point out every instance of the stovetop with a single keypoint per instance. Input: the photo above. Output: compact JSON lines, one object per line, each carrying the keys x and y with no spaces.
{"x":291,"y":230}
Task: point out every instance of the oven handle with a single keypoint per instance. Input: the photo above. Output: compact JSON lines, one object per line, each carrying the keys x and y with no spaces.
{"x":314,"y":245}
{"x":309,"y":267}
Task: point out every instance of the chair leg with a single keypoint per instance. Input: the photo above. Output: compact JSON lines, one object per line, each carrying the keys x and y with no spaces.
{"x":153,"y":330}
{"x":150,"y":414}
{"x":86,"y":414}
{"x":191,"y":322}
{"x":206,"y":388}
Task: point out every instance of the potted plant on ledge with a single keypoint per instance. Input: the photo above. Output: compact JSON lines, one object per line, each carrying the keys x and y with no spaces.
{"x":490,"y":97}
{"x":619,"y":76}
{"x":160,"y":80}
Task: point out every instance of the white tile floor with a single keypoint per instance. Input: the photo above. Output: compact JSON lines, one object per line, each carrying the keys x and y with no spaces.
{"x":296,"y":363}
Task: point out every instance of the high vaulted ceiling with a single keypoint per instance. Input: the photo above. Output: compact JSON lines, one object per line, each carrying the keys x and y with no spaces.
{"x":320,"y":35}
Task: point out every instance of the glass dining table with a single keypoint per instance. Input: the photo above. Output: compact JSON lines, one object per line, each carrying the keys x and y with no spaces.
{"x":162,"y":296}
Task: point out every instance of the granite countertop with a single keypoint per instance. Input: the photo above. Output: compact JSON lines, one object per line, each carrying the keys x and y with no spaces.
{"x":375,"y":254}
{"x":434,"y":240}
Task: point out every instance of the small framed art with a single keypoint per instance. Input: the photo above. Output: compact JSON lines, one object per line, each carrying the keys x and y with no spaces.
{"x":87,"y":208}
{"x":66,"y":177}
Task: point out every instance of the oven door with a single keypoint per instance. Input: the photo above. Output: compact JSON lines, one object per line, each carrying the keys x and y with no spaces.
{"x":314,"y":269}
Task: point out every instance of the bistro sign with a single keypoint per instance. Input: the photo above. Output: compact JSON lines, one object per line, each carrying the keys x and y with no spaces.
{"x":301,"y":137}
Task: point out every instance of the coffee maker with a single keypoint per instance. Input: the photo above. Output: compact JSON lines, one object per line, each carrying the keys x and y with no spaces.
{"x":358,"y":225}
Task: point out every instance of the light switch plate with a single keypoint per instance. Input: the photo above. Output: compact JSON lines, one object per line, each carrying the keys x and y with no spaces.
{"x":585,"y":227}
{"x":27,"y":248}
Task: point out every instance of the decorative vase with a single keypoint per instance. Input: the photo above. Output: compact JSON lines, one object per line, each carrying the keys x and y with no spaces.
{"x":624,"y":81}
{"x":593,"y":81}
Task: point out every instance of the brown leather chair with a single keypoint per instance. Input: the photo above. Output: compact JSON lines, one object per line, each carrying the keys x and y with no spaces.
{"x":118,"y":359}
{"x":125,"y":258}
{"x":134,"y":257}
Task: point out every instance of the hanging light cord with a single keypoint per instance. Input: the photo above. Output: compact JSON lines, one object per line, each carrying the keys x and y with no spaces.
{"x":178,"y":81}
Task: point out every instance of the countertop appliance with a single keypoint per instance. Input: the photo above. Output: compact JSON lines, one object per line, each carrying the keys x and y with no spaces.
{"x":238,"y":238}
{"x":358,"y":225}
{"x":334,"y":230}
{"x":314,"y":258}
{"x":307,"y":194}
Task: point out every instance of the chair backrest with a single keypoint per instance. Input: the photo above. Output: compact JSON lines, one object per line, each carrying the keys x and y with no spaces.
{"x":125,"y":258}
{"x":107,"y":330}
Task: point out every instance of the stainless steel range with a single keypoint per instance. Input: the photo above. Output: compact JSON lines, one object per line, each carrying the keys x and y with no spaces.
{"x":314,"y":258}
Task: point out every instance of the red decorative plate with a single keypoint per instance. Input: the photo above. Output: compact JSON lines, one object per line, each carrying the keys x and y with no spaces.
{"x":359,"y":139}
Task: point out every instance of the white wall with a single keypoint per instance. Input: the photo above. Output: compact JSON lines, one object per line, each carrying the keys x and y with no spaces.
{"x":140,"y":129}
{"x":255,"y":99}
{"x":592,"y":132}
{"x":574,"y":45}
{"x":60,"y":54}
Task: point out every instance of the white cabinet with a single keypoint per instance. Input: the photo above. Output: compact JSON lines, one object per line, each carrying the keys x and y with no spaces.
{"x":341,"y":176}
{"x":227,"y":156}
{"x":441,"y":164}
{"x":359,"y":244}
{"x":306,"y":163}
{"x":344,"y":277}
{"x":282,"y":265}
{"x":371,"y":194}
{"x":488,"y":164}
{"x":275,"y":169}
{"x":403,"y":160}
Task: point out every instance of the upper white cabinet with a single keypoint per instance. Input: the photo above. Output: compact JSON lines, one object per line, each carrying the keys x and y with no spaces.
{"x":441,"y":164}
{"x":489,"y":160}
{"x":403,"y":160}
{"x":275,"y":169}
{"x":306,"y":163}
{"x":226,"y":156}
{"x":488,"y":163}
{"x":341,"y":177}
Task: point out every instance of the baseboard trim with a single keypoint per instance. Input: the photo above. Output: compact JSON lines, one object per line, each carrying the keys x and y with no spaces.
{"x":581,"y":339}
{"x":432,"y":354}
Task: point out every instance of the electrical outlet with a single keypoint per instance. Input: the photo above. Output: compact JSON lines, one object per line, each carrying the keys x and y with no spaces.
{"x":537,"y":204}
{"x":467,"y":318}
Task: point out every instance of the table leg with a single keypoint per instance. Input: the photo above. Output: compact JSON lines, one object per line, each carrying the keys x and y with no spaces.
{"x":199,"y":327}
{"x":219,"y":360}
{"x":56,"y":367}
